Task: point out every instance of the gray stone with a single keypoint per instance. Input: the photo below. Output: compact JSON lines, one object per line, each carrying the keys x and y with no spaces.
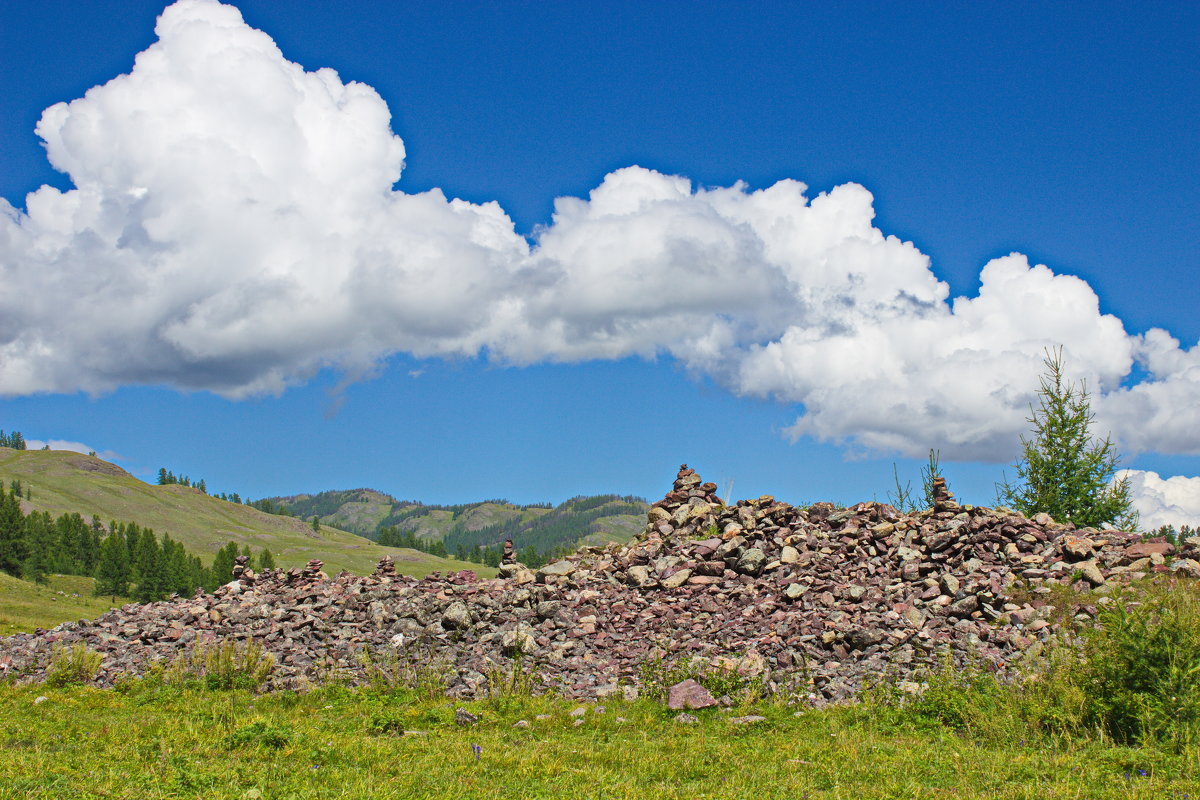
{"x":795,"y":591}
{"x":559,"y":569}
{"x":456,"y":616}
{"x":517,"y":642}
{"x":751,"y":562}
{"x":638,"y":575}
{"x":964,"y":607}
{"x":862,"y":638}
{"x":1091,"y":573}
{"x":1077,"y":548}
{"x":677,"y":579}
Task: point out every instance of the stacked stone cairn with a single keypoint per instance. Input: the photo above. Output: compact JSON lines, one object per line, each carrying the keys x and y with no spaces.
{"x":813,"y":602}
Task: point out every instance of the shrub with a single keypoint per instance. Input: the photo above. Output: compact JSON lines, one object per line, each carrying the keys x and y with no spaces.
{"x":225,"y":665}
{"x":511,"y":679}
{"x":1043,"y":699}
{"x":1142,"y":675}
{"x":415,"y":669}
{"x":73,"y":665}
{"x":384,"y":723}
{"x":258,"y":733}
{"x":720,"y":676}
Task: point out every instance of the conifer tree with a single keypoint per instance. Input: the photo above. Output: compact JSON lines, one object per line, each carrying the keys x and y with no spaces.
{"x":1065,"y":471}
{"x":222,"y":567}
{"x":150,"y":568}
{"x":113,"y":573}
{"x":266,"y":560}
{"x":132,"y":535}
{"x":12,"y":533}
{"x":39,"y":546}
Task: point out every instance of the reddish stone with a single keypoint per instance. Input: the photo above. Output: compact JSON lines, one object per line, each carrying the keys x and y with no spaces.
{"x":1146,"y":549}
{"x":689,"y":694}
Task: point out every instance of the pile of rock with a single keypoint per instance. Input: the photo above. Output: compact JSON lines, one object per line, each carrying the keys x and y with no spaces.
{"x":812,"y":601}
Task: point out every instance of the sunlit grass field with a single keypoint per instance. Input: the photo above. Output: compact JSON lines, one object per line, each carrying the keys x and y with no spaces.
{"x":25,"y":606}
{"x":153,"y":740}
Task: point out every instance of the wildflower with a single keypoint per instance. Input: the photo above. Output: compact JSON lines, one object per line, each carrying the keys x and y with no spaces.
{"x":477,"y":750}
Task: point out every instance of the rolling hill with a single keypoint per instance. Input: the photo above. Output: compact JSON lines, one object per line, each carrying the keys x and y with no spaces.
{"x":579,"y":521}
{"x":66,"y":482}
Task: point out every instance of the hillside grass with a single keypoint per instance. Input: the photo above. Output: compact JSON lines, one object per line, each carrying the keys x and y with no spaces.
{"x":25,"y":606}
{"x":157,"y":741}
{"x":66,"y":482}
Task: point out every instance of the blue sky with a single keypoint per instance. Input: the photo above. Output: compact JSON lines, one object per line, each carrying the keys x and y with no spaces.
{"x":1063,"y":133}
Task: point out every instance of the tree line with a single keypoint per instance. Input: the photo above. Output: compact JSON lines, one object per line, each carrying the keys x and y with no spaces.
{"x":14,"y":440}
{"x":168,"y":478}
{"x":487,"y":555}
{"x":126,"y":560}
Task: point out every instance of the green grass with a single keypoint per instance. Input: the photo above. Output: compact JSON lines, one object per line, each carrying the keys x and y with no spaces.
{"x":25,"y":606}
{"x":66,"y":482}
{"x":158,"y":741}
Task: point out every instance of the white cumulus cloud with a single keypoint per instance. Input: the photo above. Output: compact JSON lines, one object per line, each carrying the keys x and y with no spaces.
{"x":234,"y":228}
{"x":1164,"y":501}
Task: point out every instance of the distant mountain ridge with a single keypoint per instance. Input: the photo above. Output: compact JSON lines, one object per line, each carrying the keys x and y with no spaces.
{"x":547,"y":530}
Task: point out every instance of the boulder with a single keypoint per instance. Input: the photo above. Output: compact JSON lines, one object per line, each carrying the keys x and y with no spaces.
{"x":690,"y":695}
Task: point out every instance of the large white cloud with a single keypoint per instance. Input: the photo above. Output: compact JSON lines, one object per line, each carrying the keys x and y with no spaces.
{"x":234,"y":228}
{"x":1164,"y":501}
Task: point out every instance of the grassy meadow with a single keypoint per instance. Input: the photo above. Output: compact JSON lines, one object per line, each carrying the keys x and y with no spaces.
{"x":154,"y":741}
{"x":25,"y":606}
{"x":1117,"y":718}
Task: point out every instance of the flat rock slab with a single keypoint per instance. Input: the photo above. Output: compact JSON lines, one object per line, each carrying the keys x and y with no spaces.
{"x":689,"y":694}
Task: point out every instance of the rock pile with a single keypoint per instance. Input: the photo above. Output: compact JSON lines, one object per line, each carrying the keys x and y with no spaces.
{"x":810,"y":601}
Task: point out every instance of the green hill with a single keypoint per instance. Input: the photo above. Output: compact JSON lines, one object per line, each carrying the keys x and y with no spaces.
{"x":66,"y":482}
{"x":579,"y":521}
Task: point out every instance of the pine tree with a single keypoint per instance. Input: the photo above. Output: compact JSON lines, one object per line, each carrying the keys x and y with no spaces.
{"x":162,"y":476}
{"x":150,"y":568}
{"x":176,"y":566}
{"x":113,"y":574}
{"x":1065,"y":471}
{"x":266,"y":560}
{"x":12,"y":533}
{"x":132,"y":534}
{"x":39,"y":544}
{"x":222,"y":567}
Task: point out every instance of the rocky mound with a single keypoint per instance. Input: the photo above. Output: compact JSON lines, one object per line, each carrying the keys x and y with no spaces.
{"x":813,"y":602}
